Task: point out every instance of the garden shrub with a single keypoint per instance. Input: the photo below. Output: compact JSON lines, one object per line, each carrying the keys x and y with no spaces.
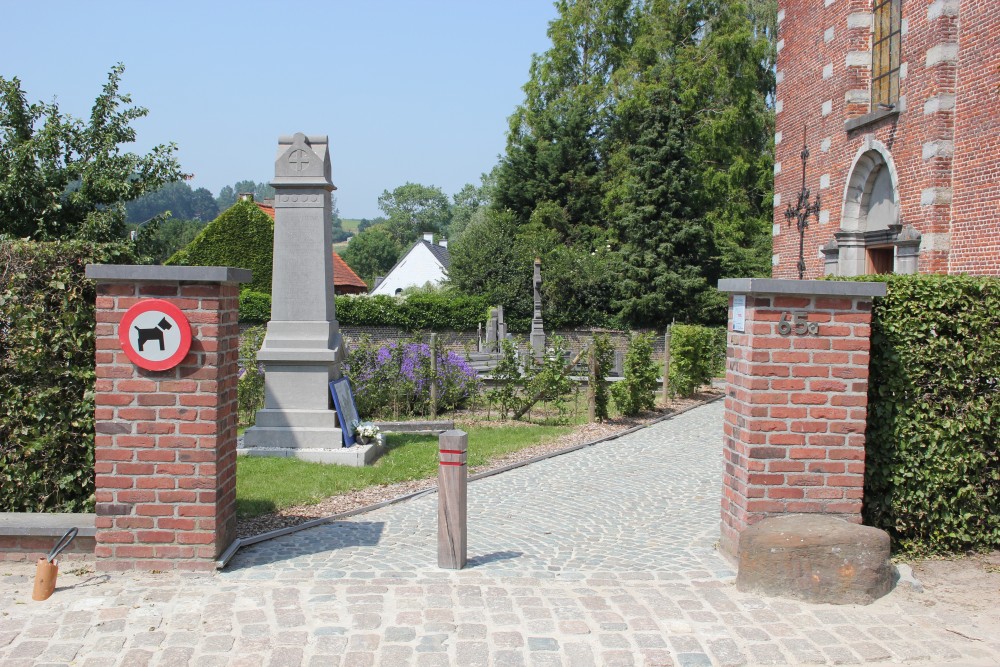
{"x":697,"y":354}
{"x":394,"y":380}
{"x":605,"y":354}
{"x":507,"y":377}
{"x":547,"y":381}
{"x":932,"y":474}
{"x":242,"y":236}
{"x":47,"y":373}
{"x":255,"y":307}
{"x":634,"y":393}
{"x":250,"y":386}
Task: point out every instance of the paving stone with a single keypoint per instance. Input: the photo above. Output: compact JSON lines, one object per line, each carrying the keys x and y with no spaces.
{"x":620,"y":568}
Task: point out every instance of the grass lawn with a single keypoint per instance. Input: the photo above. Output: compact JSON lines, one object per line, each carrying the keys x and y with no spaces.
{"x":264,"y":485}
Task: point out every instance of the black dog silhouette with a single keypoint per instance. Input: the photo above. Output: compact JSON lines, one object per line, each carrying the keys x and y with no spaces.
{"x":156,"y":333}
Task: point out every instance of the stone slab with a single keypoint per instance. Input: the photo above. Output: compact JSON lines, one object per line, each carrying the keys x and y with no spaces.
{"x":416,"y":426}
{"x":39,"y":524}
{"x":356,"y":456}
{"x":845,"y":288}
{"x":144,"y":273}
{"x":816,"y":558}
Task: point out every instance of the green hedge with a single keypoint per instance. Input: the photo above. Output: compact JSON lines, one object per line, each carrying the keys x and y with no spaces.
{"x":242,"y":236}
{"x":417,"y":312}
{"x":932,"y":477}
{"x":697,"y":354}
{"x":47,"y":374}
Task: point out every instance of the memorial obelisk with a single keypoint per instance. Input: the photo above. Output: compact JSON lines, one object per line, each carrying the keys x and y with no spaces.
{"x":302,"y":350}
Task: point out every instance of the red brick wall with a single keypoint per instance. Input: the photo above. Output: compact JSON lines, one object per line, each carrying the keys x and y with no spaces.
{"x":28,"y":548}
{"x":969,"y":129}
{"x":975,"y":236}
{"x":166,"y":441}
{"x":795,"y":412}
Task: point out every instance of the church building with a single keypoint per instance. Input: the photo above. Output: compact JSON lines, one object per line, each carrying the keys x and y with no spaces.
{"x":895,"y":105}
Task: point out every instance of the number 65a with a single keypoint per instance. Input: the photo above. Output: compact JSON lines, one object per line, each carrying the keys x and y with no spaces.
{"x":796,"y":321}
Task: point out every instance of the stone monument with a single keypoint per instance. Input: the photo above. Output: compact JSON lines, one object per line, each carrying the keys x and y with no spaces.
{"x":302,"y":350}
{"x":537,"y":337}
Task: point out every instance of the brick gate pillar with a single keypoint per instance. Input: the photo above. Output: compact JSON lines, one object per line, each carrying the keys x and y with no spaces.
{"x":796,"y":400}
{"x":165,"y":444}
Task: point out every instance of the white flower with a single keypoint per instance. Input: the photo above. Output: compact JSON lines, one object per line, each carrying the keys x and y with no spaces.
{"x":366,"y":430}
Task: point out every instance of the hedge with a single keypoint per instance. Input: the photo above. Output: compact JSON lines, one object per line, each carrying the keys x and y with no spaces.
{"x":417,"y":312}
{"x":242,"y":236}
{"x":932,"y":477}
{"x":47,"y":373}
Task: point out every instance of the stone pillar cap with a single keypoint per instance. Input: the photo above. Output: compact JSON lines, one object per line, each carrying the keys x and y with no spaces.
{"x":845,"y":288}
{"x":147,"y":273}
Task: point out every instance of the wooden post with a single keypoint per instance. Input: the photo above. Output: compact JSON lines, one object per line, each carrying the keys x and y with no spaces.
{"x":592,"y":385}
{"x":666,"y":364}
{"x":434,"y":374}
{"x":453,"y":482}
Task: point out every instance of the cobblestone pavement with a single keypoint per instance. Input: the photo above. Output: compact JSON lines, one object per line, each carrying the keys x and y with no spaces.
{"x":604,"y":556}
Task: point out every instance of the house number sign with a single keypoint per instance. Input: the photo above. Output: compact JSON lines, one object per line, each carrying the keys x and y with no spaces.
{"x":796,"y":321}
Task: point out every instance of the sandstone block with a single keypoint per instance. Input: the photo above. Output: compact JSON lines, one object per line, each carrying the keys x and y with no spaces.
{"x":815,"y":558}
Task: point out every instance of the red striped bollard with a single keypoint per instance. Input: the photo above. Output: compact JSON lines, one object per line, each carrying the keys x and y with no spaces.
{"x":453,"y":480}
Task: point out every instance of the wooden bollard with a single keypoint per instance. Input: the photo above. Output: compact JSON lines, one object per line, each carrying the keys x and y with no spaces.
{"x":453,"y":480}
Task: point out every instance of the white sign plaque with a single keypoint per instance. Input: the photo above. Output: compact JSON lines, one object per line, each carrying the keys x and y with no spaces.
{"x":739,"y":312}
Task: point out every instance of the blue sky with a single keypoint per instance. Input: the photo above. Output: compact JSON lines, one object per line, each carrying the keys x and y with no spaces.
{"x":416,"y":90}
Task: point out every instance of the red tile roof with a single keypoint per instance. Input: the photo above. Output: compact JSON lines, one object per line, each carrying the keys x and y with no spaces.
{"x":345,"y":281}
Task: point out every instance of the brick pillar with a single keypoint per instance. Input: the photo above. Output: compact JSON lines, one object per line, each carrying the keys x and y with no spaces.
{"x":796,"y":400}
{"x":165,"y":445}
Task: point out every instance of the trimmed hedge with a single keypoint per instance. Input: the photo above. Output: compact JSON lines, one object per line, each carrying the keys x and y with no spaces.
{"x":417,"y":312}
{"x":47,"y":373}
{"x":932,"y":477}
{"x":242,"y":236}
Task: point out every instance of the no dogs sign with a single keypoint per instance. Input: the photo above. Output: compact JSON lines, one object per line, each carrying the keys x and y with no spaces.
{"x":155,"y":334}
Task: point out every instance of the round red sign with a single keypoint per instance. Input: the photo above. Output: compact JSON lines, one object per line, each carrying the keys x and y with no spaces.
{"x":155,"y":334}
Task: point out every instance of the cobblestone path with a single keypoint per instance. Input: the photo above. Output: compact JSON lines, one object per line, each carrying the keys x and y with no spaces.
{"x":604,"y":556}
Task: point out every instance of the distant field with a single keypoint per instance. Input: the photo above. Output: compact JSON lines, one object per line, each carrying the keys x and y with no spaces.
{"x":350,"y":224}
{"x":339,"y":248}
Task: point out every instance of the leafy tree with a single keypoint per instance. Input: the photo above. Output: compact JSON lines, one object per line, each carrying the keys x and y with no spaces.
{"x":61,"y":177}
{"x":412,"y":209}
{"x":556,"y":143}
{"x":179,"y":199}
{"x":634,"y":393}
{"x":372,"y":253}
{"x":470,"y":203}
{"x":228,"y":194}
{"x":484,"y":262}
{"x":160,"y":238}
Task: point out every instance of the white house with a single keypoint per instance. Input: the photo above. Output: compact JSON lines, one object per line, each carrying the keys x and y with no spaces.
{"x":423,"y":263}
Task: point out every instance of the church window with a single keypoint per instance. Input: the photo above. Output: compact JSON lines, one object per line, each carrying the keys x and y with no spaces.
{"x":885,"y":54}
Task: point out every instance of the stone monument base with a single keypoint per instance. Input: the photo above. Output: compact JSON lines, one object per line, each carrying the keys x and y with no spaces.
{"x":815,"y":558}
{"x":356,"y":456}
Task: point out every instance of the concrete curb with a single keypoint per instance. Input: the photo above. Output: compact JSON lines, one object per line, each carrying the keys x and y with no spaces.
{"x":241,"y":542}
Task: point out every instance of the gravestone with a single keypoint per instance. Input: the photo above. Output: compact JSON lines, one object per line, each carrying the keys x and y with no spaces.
{"x":491,"y":331}
{"x":302,"y":350}
{"x":537,"y":337}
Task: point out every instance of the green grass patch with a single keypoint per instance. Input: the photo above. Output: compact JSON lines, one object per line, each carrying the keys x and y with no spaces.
{"x":265,"y":485}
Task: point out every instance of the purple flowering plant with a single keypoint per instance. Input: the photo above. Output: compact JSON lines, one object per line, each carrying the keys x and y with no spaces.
{"x":394,"y":379}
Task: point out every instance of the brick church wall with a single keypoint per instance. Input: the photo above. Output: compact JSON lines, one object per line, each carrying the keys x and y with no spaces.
{"x":943,"y":139}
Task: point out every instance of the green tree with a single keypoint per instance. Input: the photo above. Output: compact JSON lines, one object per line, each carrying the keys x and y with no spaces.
{"x":229,"y":193}
{"x":176,"y":198}
{"x":556,"y":142}
{"x":160,"y":238}
{"x":412,"y":209}
{"x":61,"y":177}
{"x":372,"y":253}
{"x":470,"y":203}
{"x":485,"y":262}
